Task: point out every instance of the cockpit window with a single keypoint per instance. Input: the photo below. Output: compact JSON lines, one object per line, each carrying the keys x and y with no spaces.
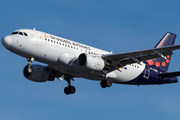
{"x":20,"y":33}
{"x":14,"y":33}
{"x":25,"y":34}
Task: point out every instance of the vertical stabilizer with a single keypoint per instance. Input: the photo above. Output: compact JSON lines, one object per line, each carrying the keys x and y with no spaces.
{"x":167,"y":40}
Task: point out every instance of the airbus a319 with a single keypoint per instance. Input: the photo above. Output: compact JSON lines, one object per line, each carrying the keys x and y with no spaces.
{"x":70,"y":59}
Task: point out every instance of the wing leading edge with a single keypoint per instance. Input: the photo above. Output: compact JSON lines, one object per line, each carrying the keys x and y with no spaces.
{"x":123,"y":59}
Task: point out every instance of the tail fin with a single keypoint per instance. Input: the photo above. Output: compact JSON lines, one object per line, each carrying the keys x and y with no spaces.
{"x":167,"y":40}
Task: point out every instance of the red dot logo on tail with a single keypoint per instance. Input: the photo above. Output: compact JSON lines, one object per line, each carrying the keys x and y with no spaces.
{"x":164,"y":64}
{"x":167,"y":60}
{"x":150,"y":62}
{"x":157,"y":64}
{"x":161,"y":44}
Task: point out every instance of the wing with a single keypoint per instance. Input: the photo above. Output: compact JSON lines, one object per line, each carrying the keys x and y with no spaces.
{"x":55,"y":73}
{"x":115,"y":61}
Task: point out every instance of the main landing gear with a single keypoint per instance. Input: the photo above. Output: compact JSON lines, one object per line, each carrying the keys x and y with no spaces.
{"x":69,"y":89}
{"x":106,"y":83}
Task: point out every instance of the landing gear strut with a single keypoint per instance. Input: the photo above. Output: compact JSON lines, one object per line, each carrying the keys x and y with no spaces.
{"x":106,"y":83}
{"x":69,"y":89}
{"x":30,"y":60}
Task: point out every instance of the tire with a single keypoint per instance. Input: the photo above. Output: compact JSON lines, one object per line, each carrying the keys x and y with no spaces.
{"x":72,"y":89}
{"x":108,"y":83}
{"x":29,"y":69}
{"x":67,"y":90}
{"x":103,"y":83}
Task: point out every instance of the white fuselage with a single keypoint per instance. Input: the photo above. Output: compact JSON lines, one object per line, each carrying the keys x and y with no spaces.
{"x":61,"y":54}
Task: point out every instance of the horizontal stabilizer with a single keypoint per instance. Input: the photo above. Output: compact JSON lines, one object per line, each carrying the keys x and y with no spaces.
{"x":169,"y":75}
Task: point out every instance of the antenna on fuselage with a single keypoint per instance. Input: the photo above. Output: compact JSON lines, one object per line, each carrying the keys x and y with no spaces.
{"x":34,"y":29}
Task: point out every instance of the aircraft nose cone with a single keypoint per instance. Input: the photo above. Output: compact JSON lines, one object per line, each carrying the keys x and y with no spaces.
{"x":6,"y":41}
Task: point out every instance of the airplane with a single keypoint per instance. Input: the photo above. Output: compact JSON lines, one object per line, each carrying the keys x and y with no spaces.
{"x":69,"y":59}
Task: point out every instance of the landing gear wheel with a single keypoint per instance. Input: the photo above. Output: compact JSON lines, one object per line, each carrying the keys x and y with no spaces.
{"x":29,"y":69}
{"x":103,"y":83}
{"x":106,"y":83}
{"x":72,"y":89}
{"x":69,"y":90}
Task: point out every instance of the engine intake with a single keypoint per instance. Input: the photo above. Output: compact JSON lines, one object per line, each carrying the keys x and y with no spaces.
{"x":37,"y":73}
{"x":91,"y":62}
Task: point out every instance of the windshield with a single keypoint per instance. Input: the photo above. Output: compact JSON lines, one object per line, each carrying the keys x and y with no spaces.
{"x":19,"y":33}
{"x":14,"y":33}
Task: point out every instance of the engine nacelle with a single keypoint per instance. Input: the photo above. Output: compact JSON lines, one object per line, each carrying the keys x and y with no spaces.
{"x":37,"y":73}
{"x":66,"y":58}
{"x":91,"y":62}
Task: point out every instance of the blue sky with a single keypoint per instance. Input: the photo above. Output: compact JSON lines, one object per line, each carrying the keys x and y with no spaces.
{"x":117,"y":26}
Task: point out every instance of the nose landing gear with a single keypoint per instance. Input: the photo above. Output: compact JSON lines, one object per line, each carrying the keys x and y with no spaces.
{"x":30,"y":60}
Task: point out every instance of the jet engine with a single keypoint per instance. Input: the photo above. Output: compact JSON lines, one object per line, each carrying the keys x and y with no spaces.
{"x":91,"y":62}
{"x":36,"y":73}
